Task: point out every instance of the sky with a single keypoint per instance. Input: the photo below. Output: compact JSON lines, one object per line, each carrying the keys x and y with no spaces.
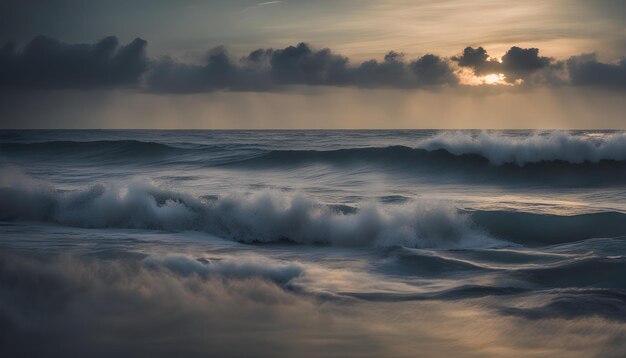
{"x":222,"y":64}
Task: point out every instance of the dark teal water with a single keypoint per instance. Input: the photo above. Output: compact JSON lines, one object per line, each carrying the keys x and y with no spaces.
{"x":527,"y":226}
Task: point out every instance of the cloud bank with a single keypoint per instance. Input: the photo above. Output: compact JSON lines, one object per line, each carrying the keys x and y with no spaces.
{"x":46,"y":63}
{"x":587,"y":70}
{"x":268,"y":69}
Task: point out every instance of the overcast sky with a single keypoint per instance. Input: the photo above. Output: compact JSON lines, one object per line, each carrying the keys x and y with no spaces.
{"x":313,"y":64}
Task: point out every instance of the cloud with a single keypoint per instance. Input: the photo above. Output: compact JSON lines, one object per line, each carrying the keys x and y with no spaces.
{"x":267,"y":69}
{"x":218,"y":72}
{"x":48,"y":63}
{"x":478,"y":60}
{"x":302,"y":65}
{"x":585,"y":70}
{"x":261,"y":69}
{"x":269,"y":3}
{"x":518,"y":63}
{"x":433,"y":70}
{"x":391,"y":71}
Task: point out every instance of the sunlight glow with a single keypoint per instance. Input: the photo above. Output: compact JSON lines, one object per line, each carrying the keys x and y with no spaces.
{"x":467,"y":77}
{"x":493,"y":78}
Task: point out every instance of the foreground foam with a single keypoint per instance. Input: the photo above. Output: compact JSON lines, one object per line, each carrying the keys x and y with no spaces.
{"x":239,"y":268}
{"x":72,"y":307}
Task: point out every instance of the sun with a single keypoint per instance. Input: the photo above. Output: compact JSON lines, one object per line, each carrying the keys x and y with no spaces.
{"x":468,"y":77}
{"x":492,"y":79}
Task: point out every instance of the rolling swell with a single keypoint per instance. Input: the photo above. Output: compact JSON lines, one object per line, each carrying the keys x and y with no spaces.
{"x":545,"y":229}
{"x":594,"y":271}
{"x":609,"y":304}
{"x":447,"y":156}
{"x":122,"y":150}
{"x":406,"y":155}
{"x":462,"y":167}
{"x":457,"y":293}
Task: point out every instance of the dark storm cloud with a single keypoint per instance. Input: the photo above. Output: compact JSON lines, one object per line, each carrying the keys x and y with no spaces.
{"x":517,"y":63}
{"x":478,"y":60}
{"x":262,"y":69}
{"x":395,"y":71}
{"x":267,"y":69}
{"x":218,"y":72}
{"x":520,"y":62}
{"x":392,"y":70}
{"x":48,"y":63}
{"x":586,"y":70}
{"x":302,"y":65}
{"x":433,"y":70}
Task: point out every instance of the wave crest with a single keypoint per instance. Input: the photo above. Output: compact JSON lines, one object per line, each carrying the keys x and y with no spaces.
{"x":266,"y":216}
{"x":500,"y":149}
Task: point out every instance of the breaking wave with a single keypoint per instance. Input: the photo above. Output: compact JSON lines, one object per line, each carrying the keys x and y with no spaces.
{"x":453,"y":148}
{"x":463,"y":167}
{"x":271,"y":216}
{"x":491,"y":148}
{"x":266,"y":216}
{"x":538,"y":147}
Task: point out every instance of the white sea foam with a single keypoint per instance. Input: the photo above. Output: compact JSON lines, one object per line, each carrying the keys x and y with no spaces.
{"x":499,"y":148}
{"x":239,"y":268}
{"x":264,"y":216}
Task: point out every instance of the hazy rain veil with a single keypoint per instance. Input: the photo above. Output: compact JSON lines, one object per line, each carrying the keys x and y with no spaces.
{"x":549,"y":146}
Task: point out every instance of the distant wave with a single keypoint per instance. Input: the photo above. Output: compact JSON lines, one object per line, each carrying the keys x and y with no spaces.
{"x":463,"y":167}
{"x":100,"y":145}
{"x":397,"y":154}
{"x":456,"y":148}
{"x":540,"y":147}
{"x":493,"y":148}
{"x":553,"y":158}
{"x":117,"y":151}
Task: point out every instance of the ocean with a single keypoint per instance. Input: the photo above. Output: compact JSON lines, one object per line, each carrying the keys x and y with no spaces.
{"x":312,"y":243}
